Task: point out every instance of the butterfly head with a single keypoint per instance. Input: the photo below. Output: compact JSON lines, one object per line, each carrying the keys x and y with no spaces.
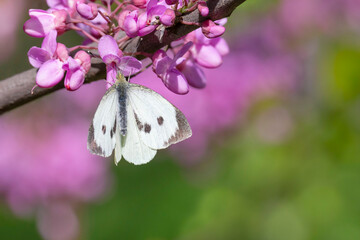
{"x":120,"y":78}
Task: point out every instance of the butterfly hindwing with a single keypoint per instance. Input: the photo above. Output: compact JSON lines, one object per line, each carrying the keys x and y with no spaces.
{"x":133,"y":149}
{"x":101,"y":138}
{"x":158,"y":122}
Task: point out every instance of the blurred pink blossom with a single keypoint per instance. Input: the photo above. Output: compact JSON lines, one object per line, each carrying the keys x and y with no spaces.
{"x":46,"y":169}
{"x":11,"y":12}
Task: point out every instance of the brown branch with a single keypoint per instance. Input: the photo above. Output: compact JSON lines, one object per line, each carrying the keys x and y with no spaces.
{"x":16,"y":90}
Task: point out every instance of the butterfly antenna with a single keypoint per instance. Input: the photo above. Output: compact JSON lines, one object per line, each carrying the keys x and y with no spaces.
{"x":132,"y":55}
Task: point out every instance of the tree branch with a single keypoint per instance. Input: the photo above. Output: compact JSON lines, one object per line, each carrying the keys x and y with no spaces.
{"x":16,"y":90}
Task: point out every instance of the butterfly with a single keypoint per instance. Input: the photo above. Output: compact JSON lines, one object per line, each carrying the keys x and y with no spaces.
{"x":136,"y":122}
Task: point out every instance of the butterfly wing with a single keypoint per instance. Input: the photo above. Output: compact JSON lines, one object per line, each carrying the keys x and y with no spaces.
{"x":101,"y":138}
{"x":158,"y":122}
{"x":133,"y":149}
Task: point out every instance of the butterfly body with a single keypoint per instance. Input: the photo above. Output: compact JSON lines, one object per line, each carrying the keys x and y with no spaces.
{"x":135,"y":121}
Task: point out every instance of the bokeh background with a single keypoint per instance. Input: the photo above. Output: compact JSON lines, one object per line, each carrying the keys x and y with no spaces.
{"x":274,"y":154}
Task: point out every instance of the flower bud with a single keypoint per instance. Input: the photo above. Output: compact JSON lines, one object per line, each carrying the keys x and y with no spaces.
{"x":203,"y":9}
{"x":171,"y":2}
{"x":88,"y":11}
{"x":158,"y":55}
{"x":61,"y":17}
{"x":85,"y":60}
{"x":130,"y":25}
{"x":122,"y":17}
{"x":168,"y":18}
{"x":212,"y":30}
{"x":62,"y":52}
{"x":139,"y":3}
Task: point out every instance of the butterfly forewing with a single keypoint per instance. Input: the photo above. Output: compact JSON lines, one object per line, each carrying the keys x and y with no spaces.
{"x":101,"y":138}
{"x":158,"y":122}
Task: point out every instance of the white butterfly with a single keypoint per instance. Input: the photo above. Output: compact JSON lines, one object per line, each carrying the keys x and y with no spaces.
{"x":136,"y":121}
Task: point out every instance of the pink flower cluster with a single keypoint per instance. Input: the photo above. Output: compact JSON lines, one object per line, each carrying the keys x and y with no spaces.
{"x":107,"y":25}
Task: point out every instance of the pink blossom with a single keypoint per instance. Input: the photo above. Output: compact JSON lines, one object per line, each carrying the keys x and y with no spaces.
{"x":11,"y":12}
{"x":115,"y":61}
{"x":42,"y":22}
{"x":193,"y":73}
{"x":88,"y":11}
{"x":203,"y":9}
{"x":130,"y":23}
{"x":168,"y":18}
{"x":211,"y":29}
{"x":53,"y":172}
{"x":207,"y":52}
{"x":45,"y":58}
{"x":171,"y":2}
{"x":139,"y":3}
{"x":53,"y":60}
{"x":68,"y":5}
{"x":77,"y":68}
{"x":139,"y":23}
{"x":165,"y":68}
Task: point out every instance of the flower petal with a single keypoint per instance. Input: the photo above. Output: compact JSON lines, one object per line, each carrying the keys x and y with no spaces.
{"x":207,"y":56}
{"x":221,"y":46}
{"x":50,"y":73}
{"x":49,"y":43}
{"x":74,"y":80}
{"x":37,"y":56}
{"x":194,"y":74}
{"x":54,"y":3}
{"x":111,"y":73}
{"x":155,"y":11}
{"x":108,"y":45}
{"x":162,"y":65}
{"x":39,"y":24}
{"x":110,"y":59}
{"x":129,"y":65}
{"x":181,"y":53}
{"x":175,"y":81}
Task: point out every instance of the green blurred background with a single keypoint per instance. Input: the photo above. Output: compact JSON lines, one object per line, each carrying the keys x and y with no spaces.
{"x":302,"y":185}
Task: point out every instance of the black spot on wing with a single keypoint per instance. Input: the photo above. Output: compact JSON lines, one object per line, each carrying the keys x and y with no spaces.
{"x":147,"y":128}
{"x":138,"y":123}
{"x":92,"y":145}
{"x":103,"y":129}
{"x":160,"y":120}
{"x":113,"y":130}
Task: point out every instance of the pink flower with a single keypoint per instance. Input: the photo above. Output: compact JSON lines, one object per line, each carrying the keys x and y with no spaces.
{"x":115,"y":61}
{"x":46,"y":59}
{"x":193,"y":73}
{"x":203,"y":9}
{"x":68,"y":5}
{"x":207,"y":52}
{"x":211,"y":29}
{"x":171,"y":2}
{"x":53,"y":170}
{"x":53,"y":60}
{"x":141,"y":24}
{"x":130,"y":23}
{"x":77,"y":68}
{"x":42,"y":22}
{"x":168,"y":18}
{"x":88,"y":11}
{"x":11,"y":13}
{"x":139,"y":3}
{"x":165,"y":68}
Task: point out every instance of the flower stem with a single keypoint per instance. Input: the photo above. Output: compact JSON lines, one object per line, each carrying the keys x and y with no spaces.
{"x":84,"y":32}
